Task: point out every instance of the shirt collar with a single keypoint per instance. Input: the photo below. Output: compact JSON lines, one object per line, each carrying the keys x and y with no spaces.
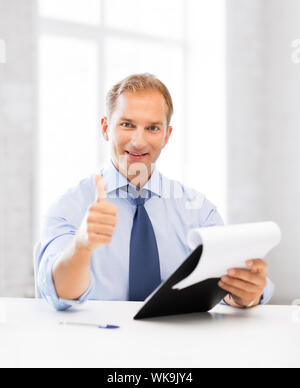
{"x":115,"y":180}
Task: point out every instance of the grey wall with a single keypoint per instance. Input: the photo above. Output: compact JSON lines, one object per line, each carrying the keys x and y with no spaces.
{"x":264,"y":128}
{"x":17,"y":125}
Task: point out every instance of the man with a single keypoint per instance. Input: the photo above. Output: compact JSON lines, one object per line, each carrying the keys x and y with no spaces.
{"x":119,"y":234}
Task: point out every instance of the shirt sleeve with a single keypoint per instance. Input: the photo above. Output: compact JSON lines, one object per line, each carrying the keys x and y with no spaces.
{"x":268,"y":292}
{"x":213,"y":219}
{"x":58,"y":233}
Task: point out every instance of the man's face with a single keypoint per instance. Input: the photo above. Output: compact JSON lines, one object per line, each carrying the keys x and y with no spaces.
{"x":138,"y":131}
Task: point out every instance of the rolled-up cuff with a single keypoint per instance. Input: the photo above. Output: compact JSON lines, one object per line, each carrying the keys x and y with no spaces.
{"x":268,"y":292}
{"x":48,"y":290}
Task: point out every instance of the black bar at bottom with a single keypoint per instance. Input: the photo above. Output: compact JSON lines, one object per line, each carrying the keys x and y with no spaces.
{"x":137,"y":377}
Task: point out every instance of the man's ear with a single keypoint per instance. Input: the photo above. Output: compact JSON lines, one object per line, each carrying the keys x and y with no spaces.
{"x":169,"y":131}
{"x":104,"y":126}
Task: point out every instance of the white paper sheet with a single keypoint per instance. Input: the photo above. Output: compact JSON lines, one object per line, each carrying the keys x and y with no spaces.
{"x":226,"y":247}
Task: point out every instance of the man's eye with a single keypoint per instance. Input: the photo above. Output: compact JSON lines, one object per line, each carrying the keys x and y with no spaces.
{"x":126,"y":125}
{"x":153,"y":128}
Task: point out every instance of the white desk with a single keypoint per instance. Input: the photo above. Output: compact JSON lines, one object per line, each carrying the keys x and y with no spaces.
{"x":30,"y":336}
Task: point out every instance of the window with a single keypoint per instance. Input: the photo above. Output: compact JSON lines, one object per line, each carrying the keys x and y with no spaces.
{"x":155,"y":18}
{"x":87,"y":45}
{"x":68,"y":113}
{"x":77,"y":11}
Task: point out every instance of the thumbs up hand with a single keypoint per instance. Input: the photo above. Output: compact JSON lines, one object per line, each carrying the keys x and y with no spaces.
{"x":101,"y":219}
{"x":100,"y":189}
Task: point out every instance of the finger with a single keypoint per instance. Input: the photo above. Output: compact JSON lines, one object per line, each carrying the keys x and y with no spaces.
{"x":257,"y":264}
{"x":99,"y":239}
{"x":241,"y":284}
{"x":248,"y":276}
{"x":97,"y":218}
{"x":100,"y":189}
{"x":244,"y":295}
{"x":105,"y":230}
{"x":104,"y":207}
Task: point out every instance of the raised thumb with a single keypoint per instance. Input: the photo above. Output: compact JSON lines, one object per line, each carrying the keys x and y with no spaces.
{"x":100,"y":189}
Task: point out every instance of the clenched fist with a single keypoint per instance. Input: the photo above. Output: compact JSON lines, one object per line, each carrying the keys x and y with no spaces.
{"x":99,"y":225}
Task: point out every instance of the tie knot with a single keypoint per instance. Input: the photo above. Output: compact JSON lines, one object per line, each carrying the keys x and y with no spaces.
{"x":140,"y":201}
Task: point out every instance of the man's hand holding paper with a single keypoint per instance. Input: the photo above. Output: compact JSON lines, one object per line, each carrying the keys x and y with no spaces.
{"x":245,"y":286}
{"x":223,"y":251}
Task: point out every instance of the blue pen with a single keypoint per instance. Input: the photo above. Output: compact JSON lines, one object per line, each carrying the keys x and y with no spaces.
{"x":89,"y":325}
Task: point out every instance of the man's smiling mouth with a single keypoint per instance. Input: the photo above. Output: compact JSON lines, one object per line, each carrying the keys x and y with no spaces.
{"x":135,"y":154}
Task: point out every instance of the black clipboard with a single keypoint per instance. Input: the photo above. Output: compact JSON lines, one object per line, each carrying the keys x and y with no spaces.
{"x":200,"y":297}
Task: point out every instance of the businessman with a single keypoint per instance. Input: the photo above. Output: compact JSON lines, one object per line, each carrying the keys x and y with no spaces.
{"x":119,"y":234}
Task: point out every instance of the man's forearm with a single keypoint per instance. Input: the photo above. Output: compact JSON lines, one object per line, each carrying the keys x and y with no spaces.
{"x":72,"y":272}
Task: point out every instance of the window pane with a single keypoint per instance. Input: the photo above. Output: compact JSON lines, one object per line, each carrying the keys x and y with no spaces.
{"x":125,"y":57}
{"x":68,"y":130}
{"x":156,"y":17}
{"x":80,"y":11}
{"x":206,"y":109}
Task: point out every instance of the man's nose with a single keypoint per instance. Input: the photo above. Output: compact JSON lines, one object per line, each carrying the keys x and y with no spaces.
{"x":138,"y":138}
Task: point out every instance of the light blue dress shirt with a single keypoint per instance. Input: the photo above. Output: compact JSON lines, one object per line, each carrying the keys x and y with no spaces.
{"x":172,"y":208}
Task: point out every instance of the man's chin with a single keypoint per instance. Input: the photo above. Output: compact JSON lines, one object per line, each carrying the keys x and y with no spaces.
{"x":138,"y":173}
{"x":131,"y":167}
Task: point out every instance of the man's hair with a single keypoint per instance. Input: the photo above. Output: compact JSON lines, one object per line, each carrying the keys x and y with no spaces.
{"x":138,"y":83}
